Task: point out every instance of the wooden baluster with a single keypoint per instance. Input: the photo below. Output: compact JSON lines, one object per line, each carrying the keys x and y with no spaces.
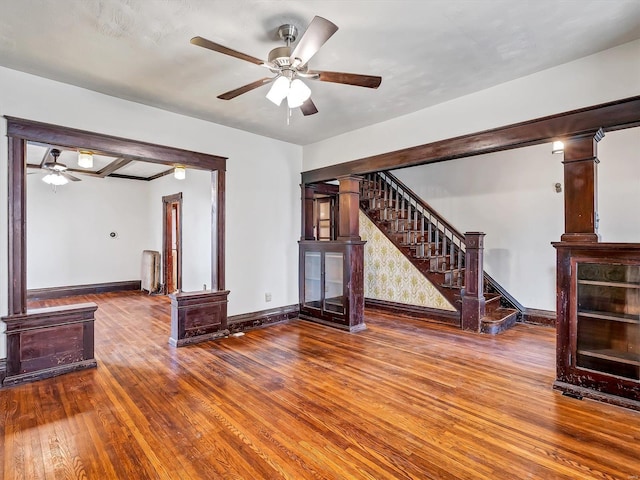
{"x":429,"y":235}
{"x":444,"y":249}
{"x":460,"y":264}
{"x":452,"y":252}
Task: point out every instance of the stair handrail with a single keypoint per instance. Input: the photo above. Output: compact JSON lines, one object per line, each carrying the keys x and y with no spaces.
{"x":414,"y":196}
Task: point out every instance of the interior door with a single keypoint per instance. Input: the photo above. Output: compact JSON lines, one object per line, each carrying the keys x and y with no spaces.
{"x":172,"y":243}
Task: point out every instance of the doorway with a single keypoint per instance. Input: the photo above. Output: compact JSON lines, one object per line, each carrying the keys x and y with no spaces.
{"x":172,"y":243}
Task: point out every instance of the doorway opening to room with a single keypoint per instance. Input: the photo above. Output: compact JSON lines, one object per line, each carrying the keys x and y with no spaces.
{"x":56,"y":309}
{"x":172,"y":243}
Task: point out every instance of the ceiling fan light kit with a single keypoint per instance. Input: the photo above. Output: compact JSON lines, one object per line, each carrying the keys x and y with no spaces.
{"x":55,"y":179}
{"x":58,"y":174}
{"x":287,"y":65}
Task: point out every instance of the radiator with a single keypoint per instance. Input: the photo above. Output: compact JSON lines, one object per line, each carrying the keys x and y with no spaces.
{"x":150,"y":275}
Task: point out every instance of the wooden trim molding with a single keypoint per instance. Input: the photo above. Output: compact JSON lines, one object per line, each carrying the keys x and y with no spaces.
{"x":539,"y":317}
{"x":415,"y":311}
{"x":110,"y":145}
{"x":89,"y":289}
{"x":262,"y":318}
{"x":45,"y":342}
{"x":624,"y":113}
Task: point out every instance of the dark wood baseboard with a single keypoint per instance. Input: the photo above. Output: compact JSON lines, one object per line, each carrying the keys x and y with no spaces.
{"x":48,"y":373}
{"x":415,"y":311}
{"x":539,"y":317}
{"x":262,"y":318}
{"x":347,"y":328}
{"x":94,"y":288}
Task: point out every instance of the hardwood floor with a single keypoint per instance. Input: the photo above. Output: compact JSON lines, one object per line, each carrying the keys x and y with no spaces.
{"x":403,"y":399}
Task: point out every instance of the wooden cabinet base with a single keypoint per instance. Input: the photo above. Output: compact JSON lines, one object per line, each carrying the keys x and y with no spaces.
{"x":349,"y":328}
{"x":46,"y":342}
{"x":577,"y":391}
{"x":198,"y":317}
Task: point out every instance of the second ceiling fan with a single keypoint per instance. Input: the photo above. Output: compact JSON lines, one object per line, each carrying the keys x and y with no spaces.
{"x":290,"y":66}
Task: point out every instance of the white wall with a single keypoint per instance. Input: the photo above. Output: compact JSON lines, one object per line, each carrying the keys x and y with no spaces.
{"x":263,"y":176}
{"x":196,"y":224}
{"x":602,"y":77}
{"x":619,"y":186}
{"x":68,"y":240}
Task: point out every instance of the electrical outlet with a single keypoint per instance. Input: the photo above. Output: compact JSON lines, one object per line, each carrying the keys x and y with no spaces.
{"x":267,"y":297}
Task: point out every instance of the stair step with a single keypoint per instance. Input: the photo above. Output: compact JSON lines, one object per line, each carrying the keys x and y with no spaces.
{"x":499,"y":320}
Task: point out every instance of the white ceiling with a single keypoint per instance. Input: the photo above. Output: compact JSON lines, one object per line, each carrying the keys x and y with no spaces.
{"x":426,"y":51}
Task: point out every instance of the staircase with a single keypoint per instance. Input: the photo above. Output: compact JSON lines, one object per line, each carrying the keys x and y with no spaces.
{"x":435,"y":247}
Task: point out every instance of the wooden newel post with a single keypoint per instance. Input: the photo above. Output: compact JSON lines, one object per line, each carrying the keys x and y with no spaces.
{"x":349,"y":208}
{"x":581,"y":188}
{"x":473,"y":292}
{"x":307,"y":212}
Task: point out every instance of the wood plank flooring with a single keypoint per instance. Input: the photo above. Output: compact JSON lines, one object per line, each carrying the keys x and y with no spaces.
{"x":403,"y":399}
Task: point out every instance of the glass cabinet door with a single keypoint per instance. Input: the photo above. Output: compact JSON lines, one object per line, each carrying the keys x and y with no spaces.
{"x":312,"y":279}
{"x":608,"y":318}
{"x":334,"y":282}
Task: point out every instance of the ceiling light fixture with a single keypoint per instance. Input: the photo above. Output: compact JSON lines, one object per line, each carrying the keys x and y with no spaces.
{"x":557,"y":147}
{"x":85,"y":159}
{"x":180,"y":172}
{"x":54,"y":178}
{"x":295,"y":90}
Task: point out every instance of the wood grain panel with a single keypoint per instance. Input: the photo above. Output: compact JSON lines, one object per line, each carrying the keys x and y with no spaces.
{"x":297,"y":400}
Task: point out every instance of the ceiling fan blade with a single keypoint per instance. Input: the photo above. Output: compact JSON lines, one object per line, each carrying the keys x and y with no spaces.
{"x":244,"y":89}
{"x":68,"y":176}
{"x":216,"y":47}
{"x":308,"y":108}
{"x":369,"y":81}
{"x":318,"y":32}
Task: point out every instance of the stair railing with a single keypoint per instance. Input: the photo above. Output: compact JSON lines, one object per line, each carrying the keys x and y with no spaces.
{"x":424,"y":229}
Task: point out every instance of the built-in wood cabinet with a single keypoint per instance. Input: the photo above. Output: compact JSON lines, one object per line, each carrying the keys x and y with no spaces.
{"x":598,"y":340}
{"x":331,"y":283}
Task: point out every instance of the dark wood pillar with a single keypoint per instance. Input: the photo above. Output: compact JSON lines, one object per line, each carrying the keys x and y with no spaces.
{"x":349,"y":208}
{"x":17,"y":227}
{"x":580,"y":188}
{"x":473,"y":294}
{"x":307,"y":211}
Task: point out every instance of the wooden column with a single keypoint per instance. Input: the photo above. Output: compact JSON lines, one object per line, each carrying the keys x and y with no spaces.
{"x":473,"y":292}
{"x":17,"y":297}
{"x":349,"y":208}
{"x":307,"y":212}
{"x":580,"y":188}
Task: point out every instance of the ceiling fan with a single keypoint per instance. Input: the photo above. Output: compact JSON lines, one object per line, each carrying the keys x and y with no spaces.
{"x":57,"y":171}
{"x":290,"y":66}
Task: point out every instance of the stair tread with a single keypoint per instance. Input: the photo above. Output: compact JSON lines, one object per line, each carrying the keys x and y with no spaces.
{"x":499,"y":315}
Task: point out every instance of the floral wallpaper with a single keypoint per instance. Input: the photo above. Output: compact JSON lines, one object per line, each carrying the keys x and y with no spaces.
{"x":388,"y":275}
